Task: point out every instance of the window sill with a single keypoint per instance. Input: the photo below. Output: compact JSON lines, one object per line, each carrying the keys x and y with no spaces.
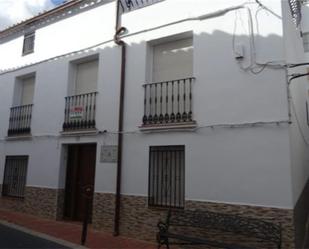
{"x":19,"y":137}
{"x":169,"y":126}
{"x":159,"y":208}
{"x":27,"y":53}
{"x":79,"y":132}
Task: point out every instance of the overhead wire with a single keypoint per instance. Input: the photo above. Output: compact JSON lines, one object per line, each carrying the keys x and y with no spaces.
{"x":268,"y":9}
{"x":254,"y":67}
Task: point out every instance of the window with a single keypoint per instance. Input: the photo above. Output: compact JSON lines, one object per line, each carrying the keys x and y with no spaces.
{"x":168,"y":96}
{"x":172,"y":60}
{"x":86,"y":77}
{"x":306,"y":41}
{"x":166,"y":176}
{"x":27,"y":90}
{"x":15,"y":176}
{"x":80,"y":105}
{"x":28,"y":46}
{"x":21,"y":112}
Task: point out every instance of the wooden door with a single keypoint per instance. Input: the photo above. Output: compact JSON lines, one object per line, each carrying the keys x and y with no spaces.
{"x":80,"y":173}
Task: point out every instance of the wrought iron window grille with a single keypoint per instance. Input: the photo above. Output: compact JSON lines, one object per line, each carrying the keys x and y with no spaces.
{"x":166,"y":176}
{"x":15,"y":173}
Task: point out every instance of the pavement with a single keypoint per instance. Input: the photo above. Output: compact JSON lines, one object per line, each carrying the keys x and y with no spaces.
{"x":36,"y":232}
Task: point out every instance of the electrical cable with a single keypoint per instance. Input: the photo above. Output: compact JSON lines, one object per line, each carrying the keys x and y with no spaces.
{"x":268,"y":9}
{"x":255,"y":67}
{"x":298,"y":64}
{"x":140,"y":131}
{"x":295,"y":76}
{"x":257,"y":20}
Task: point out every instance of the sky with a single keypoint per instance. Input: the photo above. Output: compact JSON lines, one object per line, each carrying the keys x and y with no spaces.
{"x":13,"y":11}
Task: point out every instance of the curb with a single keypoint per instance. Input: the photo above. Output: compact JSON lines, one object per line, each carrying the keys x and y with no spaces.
{"x":42,"y":235}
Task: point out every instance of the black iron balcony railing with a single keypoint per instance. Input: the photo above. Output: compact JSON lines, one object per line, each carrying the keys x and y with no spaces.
{"x":168,"y":102}
{"x":20,"y":120}
{"x":295,"y":6}
{"x":79,"y":113}
{"x":129,"y":5}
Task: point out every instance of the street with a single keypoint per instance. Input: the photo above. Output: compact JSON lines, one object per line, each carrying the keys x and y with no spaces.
{"x":12,"y":238}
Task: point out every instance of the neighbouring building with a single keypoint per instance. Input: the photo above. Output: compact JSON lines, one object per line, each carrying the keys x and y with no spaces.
{"x":211,"y":117}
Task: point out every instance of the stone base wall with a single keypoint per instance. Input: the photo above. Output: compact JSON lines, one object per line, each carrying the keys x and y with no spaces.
{"x":137,"y":220}
{"x":103,"y":211}
{"x":44,"y":202}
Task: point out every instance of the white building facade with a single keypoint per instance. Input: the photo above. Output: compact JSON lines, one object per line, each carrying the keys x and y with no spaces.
{"x":210,"y":120}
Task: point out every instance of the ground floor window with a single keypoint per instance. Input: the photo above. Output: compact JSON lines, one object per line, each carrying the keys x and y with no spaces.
{"x":167,"y":176}
{"x":15,"y":173}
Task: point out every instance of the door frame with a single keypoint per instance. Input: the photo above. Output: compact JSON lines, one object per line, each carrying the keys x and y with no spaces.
{"x":70,"y":211}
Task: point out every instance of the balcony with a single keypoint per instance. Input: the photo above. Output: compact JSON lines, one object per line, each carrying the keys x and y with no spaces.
{"x":129,"y":5}
{"x":20,"y":120}
{"x":168,"y":104}
{"x":79,"y":113}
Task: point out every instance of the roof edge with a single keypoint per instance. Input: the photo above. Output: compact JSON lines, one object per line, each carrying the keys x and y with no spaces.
{"x":38,"y":17}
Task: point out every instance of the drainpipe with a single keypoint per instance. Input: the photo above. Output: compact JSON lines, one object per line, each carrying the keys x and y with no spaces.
{"x":122,"y":44}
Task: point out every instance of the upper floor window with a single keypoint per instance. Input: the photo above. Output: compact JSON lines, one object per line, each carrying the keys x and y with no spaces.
{"x":28,"y":46}
{"x":21,"y":112}
{"x":27,"y":90}
{"x":172,"y":60}
{"x":80,"y":105}
{"x":168,"y":98}
{"x":86,"y":77}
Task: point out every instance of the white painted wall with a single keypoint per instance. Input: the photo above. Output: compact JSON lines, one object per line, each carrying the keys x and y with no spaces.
{"x":299,"y":130}
{"x":43,"y":165}
{"x":241,"y":165}
{"x":62,"y":34}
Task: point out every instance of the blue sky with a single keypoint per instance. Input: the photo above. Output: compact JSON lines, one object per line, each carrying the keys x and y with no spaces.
{"x":13,"y":11}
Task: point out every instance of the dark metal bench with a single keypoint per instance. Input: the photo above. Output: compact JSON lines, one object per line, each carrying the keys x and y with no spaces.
{"x":179,"y":223}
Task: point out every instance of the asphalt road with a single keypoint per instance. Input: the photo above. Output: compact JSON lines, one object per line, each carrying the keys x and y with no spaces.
{"x":12,"y":238}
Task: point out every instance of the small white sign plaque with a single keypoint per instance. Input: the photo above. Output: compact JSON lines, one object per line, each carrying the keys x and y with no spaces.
{"x":108,"y":154}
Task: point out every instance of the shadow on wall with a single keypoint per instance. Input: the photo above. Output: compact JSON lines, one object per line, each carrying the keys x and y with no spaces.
{"x":221,"y":88}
